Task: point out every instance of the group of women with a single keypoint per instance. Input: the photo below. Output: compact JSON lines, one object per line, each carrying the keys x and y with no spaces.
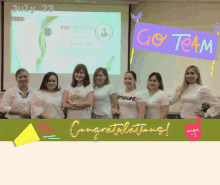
{"x":102,"y":101}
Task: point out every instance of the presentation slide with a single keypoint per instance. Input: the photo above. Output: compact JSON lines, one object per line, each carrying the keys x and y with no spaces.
{"x":44,"y":37}
{"x":58,"y":41}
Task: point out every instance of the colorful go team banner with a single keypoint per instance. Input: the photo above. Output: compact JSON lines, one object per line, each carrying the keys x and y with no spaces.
{"x":175,"y":41}
{"x":21,"y":132}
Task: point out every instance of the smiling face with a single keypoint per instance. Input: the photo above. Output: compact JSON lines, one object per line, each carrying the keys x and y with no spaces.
{"x":191,"y":76}
{"x":79,"y":76}
{"x":100,"y":78}
{"x":52,"y":83}
{"x":23,"y":78}
{"x":129,"y":80}
{"x":153,"y":83}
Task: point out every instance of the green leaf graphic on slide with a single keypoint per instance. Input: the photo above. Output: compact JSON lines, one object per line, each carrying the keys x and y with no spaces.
{"x":42,"y":40}
{"x":109,"y":64}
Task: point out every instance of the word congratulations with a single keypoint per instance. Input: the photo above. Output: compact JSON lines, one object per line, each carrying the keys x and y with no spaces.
{"x":168,"y":40}
{"x":32,"y":8}
{"x":118,"y":128}
{"x":45,"y":131}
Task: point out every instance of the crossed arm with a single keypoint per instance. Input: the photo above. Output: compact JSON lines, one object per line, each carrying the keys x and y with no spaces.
{"x":68,"y":103}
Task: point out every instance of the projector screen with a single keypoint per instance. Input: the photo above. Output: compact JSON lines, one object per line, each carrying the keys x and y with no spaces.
{"x":57,"y":37}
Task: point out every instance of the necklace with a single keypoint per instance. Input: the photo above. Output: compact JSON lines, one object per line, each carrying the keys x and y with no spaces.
{"x":24,"y":96}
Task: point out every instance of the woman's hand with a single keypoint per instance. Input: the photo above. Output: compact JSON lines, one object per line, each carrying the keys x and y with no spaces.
{"x":68,"y":100}
{"x":77,"y":108}
{"x":24,"y":114}
{"x":199,"y":112}
{"x":74,"y":97}
{"x":115,"y":111}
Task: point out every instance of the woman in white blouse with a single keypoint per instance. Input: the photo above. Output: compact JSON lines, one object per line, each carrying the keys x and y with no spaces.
{"x":47,"y":103}
{"x":105,"y":96}
{"x":79,"y":95}
{"x":132,"y":103}
{"x":157,"y":99}
{"x":192,"y":93}
{"x":16,"y":100}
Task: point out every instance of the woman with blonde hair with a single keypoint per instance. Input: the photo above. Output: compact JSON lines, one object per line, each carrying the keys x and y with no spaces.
{"x":105,"y":96}
{"x":192,"y":93}
{"x":16,"y":100}
{"x":79,"y":95}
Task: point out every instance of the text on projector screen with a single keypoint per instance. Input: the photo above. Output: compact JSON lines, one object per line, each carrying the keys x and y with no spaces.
{"x":76,"y":27}
{"x":24,"y":8}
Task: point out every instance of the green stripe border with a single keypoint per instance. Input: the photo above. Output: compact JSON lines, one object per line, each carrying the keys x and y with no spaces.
{"x":11,"y":129}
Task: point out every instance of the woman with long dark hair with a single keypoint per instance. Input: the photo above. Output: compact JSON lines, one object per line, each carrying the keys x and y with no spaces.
{"x":47,"y":102}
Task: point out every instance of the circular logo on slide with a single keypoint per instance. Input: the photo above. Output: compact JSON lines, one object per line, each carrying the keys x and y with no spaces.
{"x":47,"y":31}
{"x":103,"y":32}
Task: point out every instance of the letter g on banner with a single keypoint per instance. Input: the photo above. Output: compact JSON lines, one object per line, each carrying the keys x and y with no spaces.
{"x":138,"y":38}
